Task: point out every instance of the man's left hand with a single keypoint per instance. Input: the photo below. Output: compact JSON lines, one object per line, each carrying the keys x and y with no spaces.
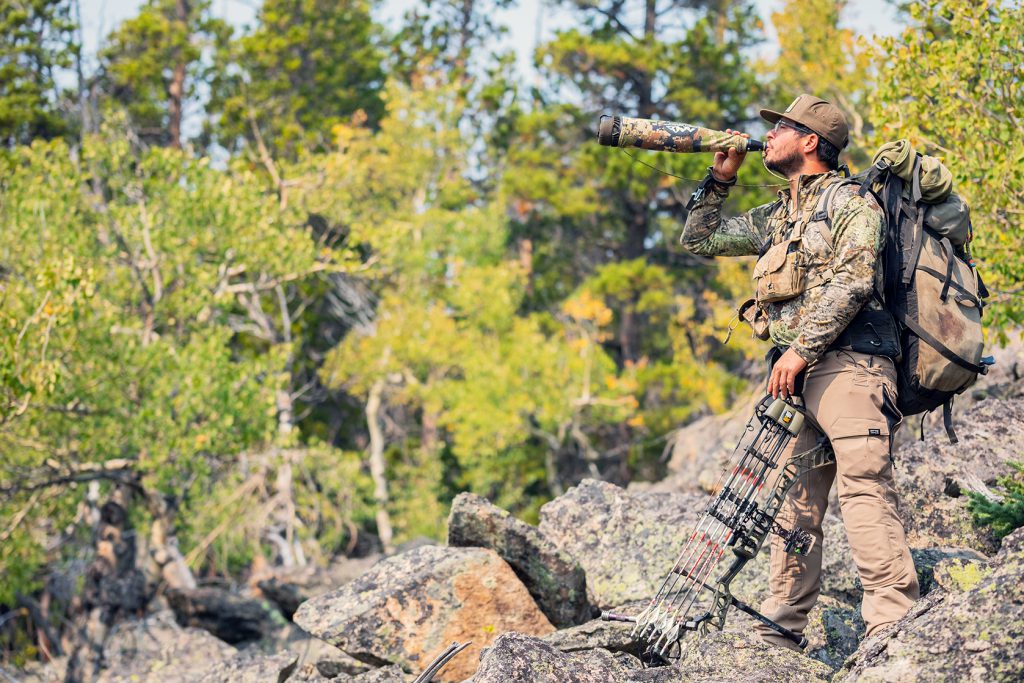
{"x":784,"y":372}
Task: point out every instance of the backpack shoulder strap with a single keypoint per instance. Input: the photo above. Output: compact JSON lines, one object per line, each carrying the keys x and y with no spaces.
{"x":825,"y":208}
{"x":826,"y":205}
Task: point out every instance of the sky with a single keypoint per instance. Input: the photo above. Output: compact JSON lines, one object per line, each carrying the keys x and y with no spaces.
{"x":530,"y":22}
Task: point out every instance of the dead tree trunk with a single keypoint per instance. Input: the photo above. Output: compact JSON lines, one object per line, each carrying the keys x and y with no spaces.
{"x":169,"y":563}
{"x":377,"y":465}
{"x":114,"y":588}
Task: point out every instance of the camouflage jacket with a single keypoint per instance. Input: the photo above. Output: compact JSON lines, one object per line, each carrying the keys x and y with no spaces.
{"x":848,"y":262}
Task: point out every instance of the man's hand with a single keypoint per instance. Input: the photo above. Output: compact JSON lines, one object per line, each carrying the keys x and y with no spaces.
{"x":727,"y":164}
{"x":784,"y":372}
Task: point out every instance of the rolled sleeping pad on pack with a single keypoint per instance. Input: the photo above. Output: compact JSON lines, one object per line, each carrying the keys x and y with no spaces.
{"x":669,"y":136}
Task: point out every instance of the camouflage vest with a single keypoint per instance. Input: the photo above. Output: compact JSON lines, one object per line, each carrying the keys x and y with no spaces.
{"x":798,"y":254}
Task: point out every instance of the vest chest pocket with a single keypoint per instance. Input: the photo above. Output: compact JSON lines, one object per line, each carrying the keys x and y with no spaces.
{"x":781,"y":273}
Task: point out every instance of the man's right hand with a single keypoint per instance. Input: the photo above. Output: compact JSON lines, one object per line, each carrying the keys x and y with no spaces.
{"x":727,"y":164}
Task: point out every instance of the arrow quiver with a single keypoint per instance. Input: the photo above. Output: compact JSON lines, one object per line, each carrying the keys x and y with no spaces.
{"x":696,"y":595}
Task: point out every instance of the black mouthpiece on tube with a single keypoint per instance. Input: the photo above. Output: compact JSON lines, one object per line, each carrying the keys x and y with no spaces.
{"x":608,"y":130}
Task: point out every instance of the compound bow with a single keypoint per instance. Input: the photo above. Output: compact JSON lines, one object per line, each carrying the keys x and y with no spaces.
{"x":740,"y":516}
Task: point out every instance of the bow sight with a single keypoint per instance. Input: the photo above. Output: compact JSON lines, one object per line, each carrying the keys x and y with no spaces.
{"x":695,"y":596}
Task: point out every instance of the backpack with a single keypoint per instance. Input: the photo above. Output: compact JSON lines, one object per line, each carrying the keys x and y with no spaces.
{"x":931,"y":289}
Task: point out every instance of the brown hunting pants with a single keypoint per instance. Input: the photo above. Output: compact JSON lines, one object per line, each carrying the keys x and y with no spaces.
{"x":852,"y":396}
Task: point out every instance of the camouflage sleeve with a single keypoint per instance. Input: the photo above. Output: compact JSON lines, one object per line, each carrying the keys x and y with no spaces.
{"x":708,"y":234}
{"x":856,"y":242}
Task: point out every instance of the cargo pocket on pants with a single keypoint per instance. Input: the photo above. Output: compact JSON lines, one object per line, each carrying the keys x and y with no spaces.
{"x":867,"y":496}
{"x":858,"y":427}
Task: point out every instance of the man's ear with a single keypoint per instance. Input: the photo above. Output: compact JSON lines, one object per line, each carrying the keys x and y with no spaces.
{"x":810,"y":143}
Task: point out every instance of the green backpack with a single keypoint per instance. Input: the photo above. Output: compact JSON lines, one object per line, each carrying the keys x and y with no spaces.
{"x":932,"y":289}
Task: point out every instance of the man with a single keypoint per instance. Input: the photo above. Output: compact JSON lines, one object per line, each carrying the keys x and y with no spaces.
{"x":817,"y":277}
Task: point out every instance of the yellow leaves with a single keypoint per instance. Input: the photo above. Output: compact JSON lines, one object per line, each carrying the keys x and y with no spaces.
{"x":579,"y":344}
{"x":627,"y":382}
{"x":347,"y":133}
{"x":636,"y":421}
{"x":685,"y":309}
{"x":586,"y":307}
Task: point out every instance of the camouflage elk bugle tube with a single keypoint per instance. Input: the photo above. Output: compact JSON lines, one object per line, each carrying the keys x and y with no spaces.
{"x":669,"y":136}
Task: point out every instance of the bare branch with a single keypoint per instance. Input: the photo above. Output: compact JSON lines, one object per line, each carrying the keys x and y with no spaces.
{"x":250,"y":485}
{"x":153,"y":264}
{"x":19,"y":516}
{"x":286,"y":320}
{"x":268,"y":161}
{"x":118,"y":469}
{"x":265,"y":283}
{"x":611,"y":14}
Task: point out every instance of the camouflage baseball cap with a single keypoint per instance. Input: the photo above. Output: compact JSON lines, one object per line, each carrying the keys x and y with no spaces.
{"x":822,"y":117}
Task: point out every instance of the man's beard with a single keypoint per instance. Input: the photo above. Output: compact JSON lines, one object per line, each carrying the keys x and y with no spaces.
{"x":788,"y":165}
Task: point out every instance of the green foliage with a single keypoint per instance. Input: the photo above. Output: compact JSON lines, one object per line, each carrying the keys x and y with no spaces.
{"x":444,"y":288}
{"x":603,"y":221}
{"x":819,"y":56}
{"x":446,"y":35}
{"x":447,"y":339}
{"x":615,"y":65}
{"x":958,"y":94}
{"x":305,"y":68}
{"x":137,"y":293}
{"x":1007,"y":513}
{"x":36,"y":39}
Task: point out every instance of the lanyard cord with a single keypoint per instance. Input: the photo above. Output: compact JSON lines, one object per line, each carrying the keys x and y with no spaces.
{"x":697,"y":180}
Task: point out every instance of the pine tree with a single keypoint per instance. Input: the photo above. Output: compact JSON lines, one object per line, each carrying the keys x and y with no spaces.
{"x":308,"y":66}
{"x":818,"y":56}
{"x":151,"y":64}
{"x":672,"y":60}
{"x":36,"y":42}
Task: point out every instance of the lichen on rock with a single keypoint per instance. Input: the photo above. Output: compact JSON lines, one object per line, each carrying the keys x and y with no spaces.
{"x":626,"y":541}
{"x":408,"y":608}
{"x":554,"y":578}
{"x":976,"y":634}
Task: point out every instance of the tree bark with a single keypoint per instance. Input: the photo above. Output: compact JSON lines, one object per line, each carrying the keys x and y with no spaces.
{"x":377,"y":465}
{"x":176,"y":89}
{"x":636,"y":247}
{"x":639,"y":212}
{"x":170,"y":564}
{"x":646,"y":83}
{"x":628,"y":334}
{"x":526,"y":262}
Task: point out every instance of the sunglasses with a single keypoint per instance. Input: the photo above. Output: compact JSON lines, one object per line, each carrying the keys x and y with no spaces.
{"x":782,"y":123}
